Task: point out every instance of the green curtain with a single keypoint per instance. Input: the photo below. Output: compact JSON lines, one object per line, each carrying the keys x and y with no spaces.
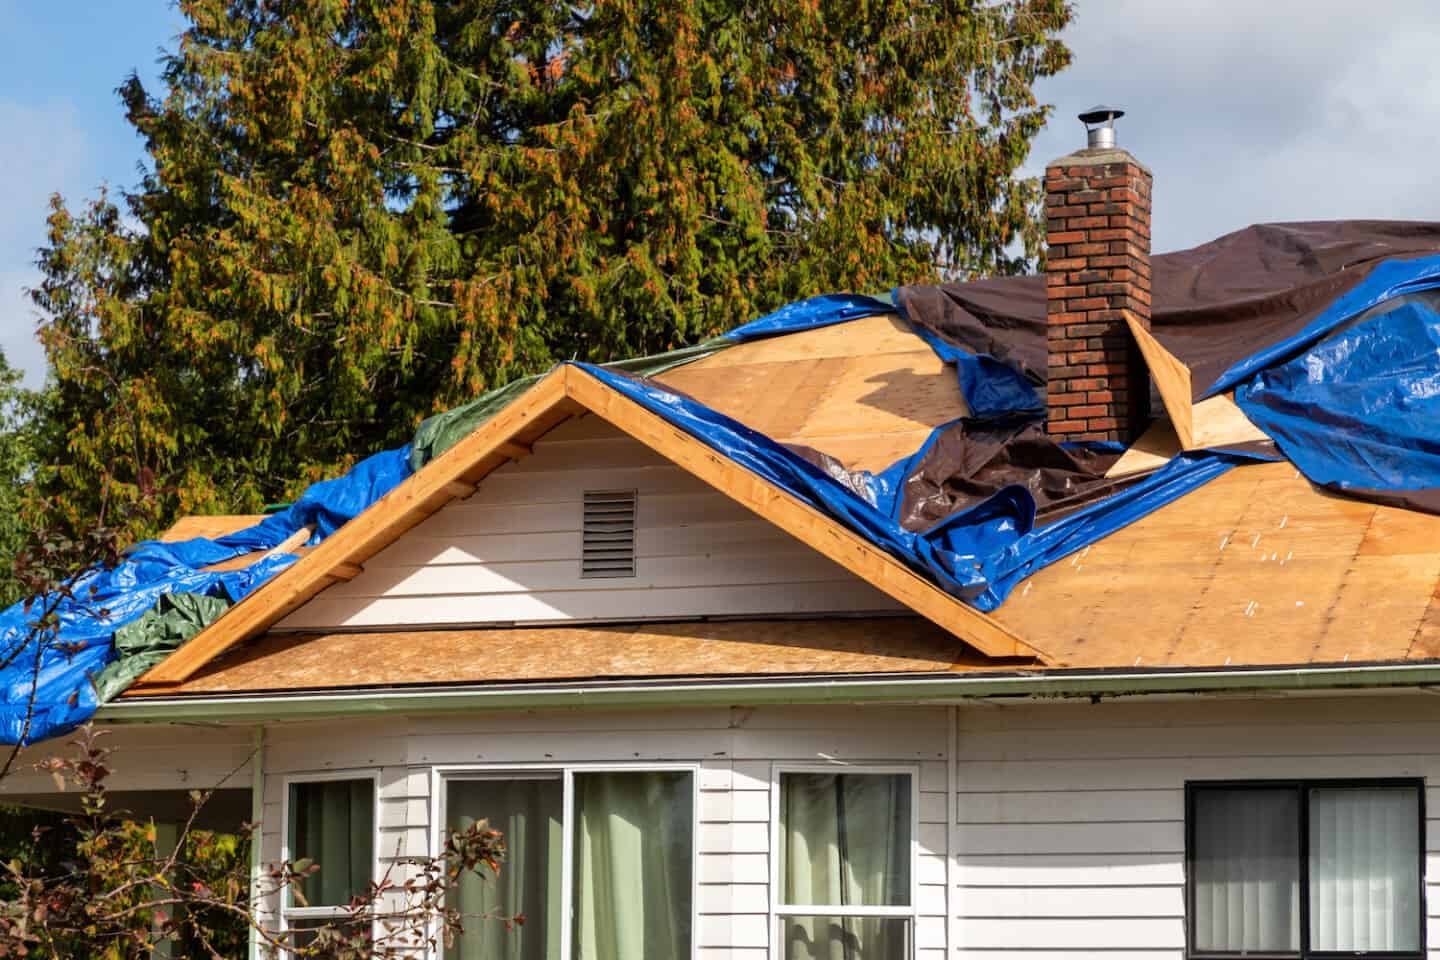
{"x":845,"y":841}
{"x":333,"y":823}
{"x":633,"y":846}
{"x":528,"y":814}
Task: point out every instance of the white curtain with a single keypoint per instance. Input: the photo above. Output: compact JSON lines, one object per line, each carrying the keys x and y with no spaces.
{"x":1247,"y":869}
{"x":633,"y":846}
{"x":528,"y":815}
{"x":1364,"y":868}
{"x":845,"y":841}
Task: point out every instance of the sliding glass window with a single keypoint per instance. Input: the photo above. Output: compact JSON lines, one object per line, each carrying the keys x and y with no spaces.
{"x":617,"y":846}
{"x":1302,"y":869}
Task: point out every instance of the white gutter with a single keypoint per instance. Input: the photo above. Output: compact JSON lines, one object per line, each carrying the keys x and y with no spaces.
{"x":930,"y":687}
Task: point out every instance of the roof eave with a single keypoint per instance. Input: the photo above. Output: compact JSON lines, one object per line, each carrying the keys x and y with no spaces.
{"x":926,"y":688}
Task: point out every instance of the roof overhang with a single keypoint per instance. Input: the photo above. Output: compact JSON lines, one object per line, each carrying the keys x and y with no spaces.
{"x":565,"y":392}
{"x":759,"y":691}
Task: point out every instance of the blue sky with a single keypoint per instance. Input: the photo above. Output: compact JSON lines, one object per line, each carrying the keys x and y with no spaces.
{"x":1246,"y":111}
{"x":61,"y":126}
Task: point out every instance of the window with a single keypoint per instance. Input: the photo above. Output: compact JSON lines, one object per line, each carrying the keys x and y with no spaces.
{"x":845,"y":865}
{"x":1301,"y":869}
{"x":332,"y":822}
{"x":617,"y":846}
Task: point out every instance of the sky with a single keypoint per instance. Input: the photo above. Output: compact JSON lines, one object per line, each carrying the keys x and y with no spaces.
{"x":1246,"y":111}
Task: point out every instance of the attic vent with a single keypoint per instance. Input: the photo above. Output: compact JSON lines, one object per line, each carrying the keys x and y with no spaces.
{"x":608,"y":534}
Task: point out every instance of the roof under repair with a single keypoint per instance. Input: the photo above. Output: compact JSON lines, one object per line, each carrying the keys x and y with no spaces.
{"x":1283,"y":514}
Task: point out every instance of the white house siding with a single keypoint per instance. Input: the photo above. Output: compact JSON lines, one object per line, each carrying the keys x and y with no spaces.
{"x":511,"y":552}
{"x":1070,"y":817}
{"x":736,"y":751}
{"x":151,"y":757}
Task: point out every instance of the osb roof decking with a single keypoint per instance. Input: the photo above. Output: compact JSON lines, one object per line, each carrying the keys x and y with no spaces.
{"x":501,"y":655}
{"x":1257,"y":568}
{"x":867,"y":392}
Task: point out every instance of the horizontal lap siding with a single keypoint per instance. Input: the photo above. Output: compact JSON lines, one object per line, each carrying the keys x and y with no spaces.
{"x":151,"y":757}
{"x":736,"y":750}
{"x":1070,"y":829}
{"x":511,"y":553}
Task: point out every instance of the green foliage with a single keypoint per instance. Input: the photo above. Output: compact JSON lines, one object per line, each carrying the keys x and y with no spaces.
{"x":17,"y":459}
{"x":110,"y":887}
{"x":360,"y":212}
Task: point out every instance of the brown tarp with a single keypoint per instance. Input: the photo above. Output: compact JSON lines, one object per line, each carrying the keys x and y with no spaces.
{"x":1214,"y":305}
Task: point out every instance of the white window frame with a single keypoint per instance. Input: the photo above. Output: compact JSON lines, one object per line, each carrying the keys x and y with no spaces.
{"x":779,"y":910}
{"x":442,"y":774}
{"x":288,"y":912}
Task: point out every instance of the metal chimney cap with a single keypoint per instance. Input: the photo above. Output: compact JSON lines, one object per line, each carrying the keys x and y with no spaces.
{"x":1100,"y":126}
{"x":1100,"y":113}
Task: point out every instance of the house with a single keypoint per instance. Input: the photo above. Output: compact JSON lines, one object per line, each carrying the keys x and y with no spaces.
{"x":723,"y":714}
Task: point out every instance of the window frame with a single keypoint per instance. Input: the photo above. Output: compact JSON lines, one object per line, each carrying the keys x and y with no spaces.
{"x":1302,"y":786}
{"x":779,"y":910}
{"x":441,"y":774}
{"x":288,"y":912}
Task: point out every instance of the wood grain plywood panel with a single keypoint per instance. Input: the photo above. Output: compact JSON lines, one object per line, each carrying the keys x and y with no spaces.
{"x":866,"y":392}
{"x":899,"y":644}
{"x":188,"y":528}
{"x":1257,"y":567}
{"x":1378,"y":610}
{"x":868,"y":336}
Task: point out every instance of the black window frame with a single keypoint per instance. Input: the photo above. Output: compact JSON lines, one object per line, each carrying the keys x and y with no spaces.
{"x":1302,"y":788}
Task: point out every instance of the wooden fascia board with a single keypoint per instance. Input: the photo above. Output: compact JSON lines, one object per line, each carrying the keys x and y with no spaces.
{"x":563,"y":393}
{"x":537,"y":410}
{"x":797,"y":518}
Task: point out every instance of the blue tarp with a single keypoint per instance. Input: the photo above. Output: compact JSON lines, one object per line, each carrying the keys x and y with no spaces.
{"x":977,"y":554}
{"x":105,"y":600}
{"x":1389,"y":280}
{"x":1352,"y":400}
{"x":1361,"y":409}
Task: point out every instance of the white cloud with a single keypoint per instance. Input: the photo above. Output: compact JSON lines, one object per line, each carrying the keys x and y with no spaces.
{"x":1261,"y":110}
{"x":46,"y":151}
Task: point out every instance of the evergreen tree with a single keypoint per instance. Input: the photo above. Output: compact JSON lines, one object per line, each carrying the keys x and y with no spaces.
{"x":359,"y":212}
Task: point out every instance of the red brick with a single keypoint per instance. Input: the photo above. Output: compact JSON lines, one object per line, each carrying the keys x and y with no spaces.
{"x":1066,"y":426}
{"x":1087,"y":249}
{"x":1102,"y":423}
{"x":1100,"y":396}
{"x":1057,"y":400}
{"x":1087,"y":412}
{"x":1088,"y":303}
{"x":1087,"y":223}
{"x":1067,"y":237}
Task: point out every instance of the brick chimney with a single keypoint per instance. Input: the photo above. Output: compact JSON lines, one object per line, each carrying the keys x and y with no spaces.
{"x":1097,"y":209}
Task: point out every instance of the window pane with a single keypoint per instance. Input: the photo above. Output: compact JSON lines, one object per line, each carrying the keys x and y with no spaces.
{"x":632,"y":848}
{"x":528,"y":815}
{"x":1364,"y":868}
{"x":1246,"y":863}
{"x":333,"y":824}
{"x":845,"y":839}
{"x":845,"y":938}
{"x":303,"y":933}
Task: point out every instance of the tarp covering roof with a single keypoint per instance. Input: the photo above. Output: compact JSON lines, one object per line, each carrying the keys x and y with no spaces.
{"x":962,"y":507}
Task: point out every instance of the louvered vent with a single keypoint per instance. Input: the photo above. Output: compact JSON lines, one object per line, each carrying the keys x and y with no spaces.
{"x":608,"y":534}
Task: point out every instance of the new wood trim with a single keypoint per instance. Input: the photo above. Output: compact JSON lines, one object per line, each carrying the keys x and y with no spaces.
{"x":798,"y":519}
{"x":565,"y":392}
{"x":535,"y":411}
{"x":1172,"y":379}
